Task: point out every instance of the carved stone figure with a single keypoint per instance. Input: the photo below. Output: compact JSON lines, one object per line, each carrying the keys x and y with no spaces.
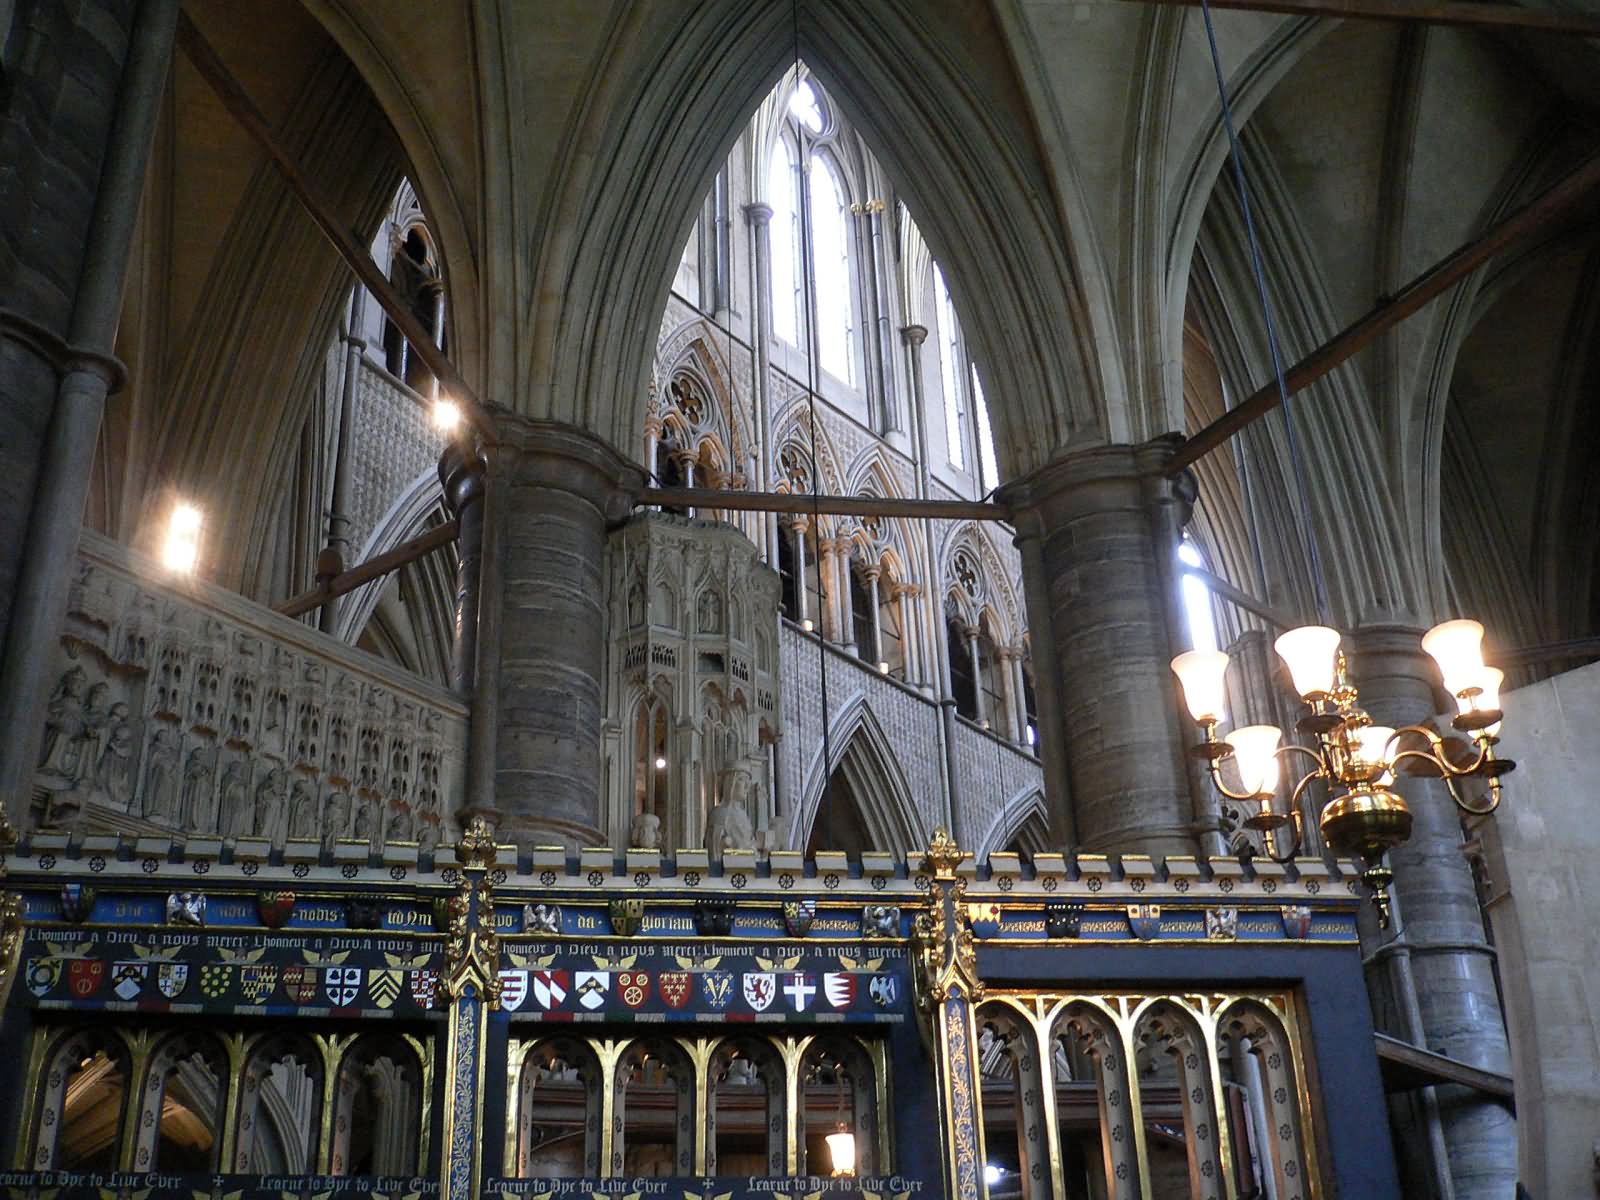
{"x":427,"y":836}
{"x":303,"y":809}
{"x":710,"y":614}
{"x":728,"y":825}
{"x":64,"y":727}
{"x":366,"y":818}
{"x":114,"y":775}
{"x":541,"y":918}
{"x":336,"y":817}
{"x":195,"y":814}
{"x":880,"y":920}
{"x":161,"y":776}
{"x":645,"y":832}
{"x":186,"y":908}
{"x":271,"y":795}
{"x":233,"y":808}
{"x":401,"y":827}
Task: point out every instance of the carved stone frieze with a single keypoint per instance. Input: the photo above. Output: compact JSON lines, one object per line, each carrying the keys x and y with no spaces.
{"x":180,"y":708}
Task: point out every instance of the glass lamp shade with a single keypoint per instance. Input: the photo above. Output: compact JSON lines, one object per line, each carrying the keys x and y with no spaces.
{"x":1308,"y":652}
{"x":1375,"y":747}
{"x":842,"y":1147}
{"x":1457,"y":646}
{"x":1201,"y":672}
{"x":1255,"y":750}
{"x":1488,"y":698}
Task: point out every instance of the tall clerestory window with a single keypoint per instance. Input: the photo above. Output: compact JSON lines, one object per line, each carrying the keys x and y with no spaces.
{"x":809,"y":199}
{"x":990,"y":471}
{"x":1197,"y":609}
{"x":955,"y":417}
{"x":783,"y":192}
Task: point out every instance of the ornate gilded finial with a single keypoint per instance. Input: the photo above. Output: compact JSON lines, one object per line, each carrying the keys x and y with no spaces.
{"x":476,"y":848}
{"x":944,"y":856}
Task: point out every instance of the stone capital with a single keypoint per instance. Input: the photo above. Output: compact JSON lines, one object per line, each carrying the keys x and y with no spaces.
{"x":530,"y":452}
{"x":1104,"y":478}
{"x":914,"y":335}
{"x":758,"y":214}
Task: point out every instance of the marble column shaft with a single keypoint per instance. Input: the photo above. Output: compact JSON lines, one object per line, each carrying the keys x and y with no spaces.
{"x":563,"y":488}
{"x":1441,"y":925}
{"x":1085,"y":518}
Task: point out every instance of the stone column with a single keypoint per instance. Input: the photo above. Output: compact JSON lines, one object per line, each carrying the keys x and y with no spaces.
{"x":760,"y":219}
{"x":828,"y":587}
{"x":872,"y":574}
{"x":802,"y":597}
{"x":355,"y":345}
{"x":847,"y":600}
{"x":910,"y":648}
{"x":1012,"y":660}
{"x":1084,"y":525}
{"x":980,"y":702}
{"x":564,"y":487}
{"x":72,"y":198}
{"x":1439,"y":926}
{"x":461,"y":473}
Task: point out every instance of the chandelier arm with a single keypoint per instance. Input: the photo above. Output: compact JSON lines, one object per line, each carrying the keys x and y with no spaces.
{"x":1216,"y":780}
{"x":1294,"y":796}
{"x":1294,"y":847}
{"x":1314,"y":755}
{"x":1473,"y":810}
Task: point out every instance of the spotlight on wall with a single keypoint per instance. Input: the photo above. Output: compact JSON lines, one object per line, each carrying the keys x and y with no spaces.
{"x":807,"y":625}
{"x":992,"y":1174}
{"x":883,"y":668}
{"x":661,"y":762}
{"x":446,"y":416}
{"x":181,"y":549}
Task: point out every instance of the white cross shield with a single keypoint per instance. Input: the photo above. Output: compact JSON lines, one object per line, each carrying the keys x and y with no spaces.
{"x":799,"y":988}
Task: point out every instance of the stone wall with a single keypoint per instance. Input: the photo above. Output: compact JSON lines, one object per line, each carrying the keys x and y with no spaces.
{"x":1542,"y":854}
{"x":180,"y":708}
{"x":899,"y":729}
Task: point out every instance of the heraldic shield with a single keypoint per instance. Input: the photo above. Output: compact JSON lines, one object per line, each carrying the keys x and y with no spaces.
{"x":627,"y":916}
{"x":798,"y":916}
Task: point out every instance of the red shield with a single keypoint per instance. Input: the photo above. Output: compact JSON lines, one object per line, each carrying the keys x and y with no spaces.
{"x":634,"y":987}
{"x":675,"y":988}
{"x":425,"y":986}
{"x":84,"y":976}
{"x":274,"y":908}
{"x":300,"y":984}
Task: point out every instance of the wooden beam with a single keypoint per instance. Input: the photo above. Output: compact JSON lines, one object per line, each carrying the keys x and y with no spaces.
{"x":234,"y":98}
{"x":374,"y":568}
{"x":804,"y":503}
{"x":1390,"y":311}
{"x":1406,"y":1066}
{"x":1244,"y":600}
{"x":1429,"y":12}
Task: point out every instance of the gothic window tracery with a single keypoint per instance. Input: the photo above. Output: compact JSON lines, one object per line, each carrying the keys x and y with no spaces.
{"x":81,"y":1106}
{"x":557,"y":1127}
{"x":279,"y":1107}
{"x":180,"y":1125}
{"x":653,"y":1128}
{"x":376,"y":1109}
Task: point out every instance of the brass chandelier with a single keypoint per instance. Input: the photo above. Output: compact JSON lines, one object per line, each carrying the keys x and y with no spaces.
{"x":1354,"y":757}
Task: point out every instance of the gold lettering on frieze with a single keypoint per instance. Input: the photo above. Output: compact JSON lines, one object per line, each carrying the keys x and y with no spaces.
{"x":1024,"y":927}
{"x":1182,"y":925}
{"x":320,"y":914}
{"x":1111,"y":926}
{"x":656,"y":923}
{"x":585,"y":921}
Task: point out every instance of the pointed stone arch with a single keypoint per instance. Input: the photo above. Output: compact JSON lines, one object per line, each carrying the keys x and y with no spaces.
{"x":1024,"y":820}
{"x":860,"y":748}
{"x":936,"y":99}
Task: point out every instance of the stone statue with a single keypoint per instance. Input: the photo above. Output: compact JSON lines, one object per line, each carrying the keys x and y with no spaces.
{"x":64,"y":727}
{"x":541,"y":918}
{"x":267,"y":814}
{"x":728,"y":825}
{"x":336,"y":818}
{"x":401,"y":827}
{"x":645,"y":832}
{"x":366,"y":817}
{"x":303,"y":809}
{"x":427,"y":836}
{"x":114,"y":775}
{"x":233,"y":808}
{"x":880,"y":920}
{"x":195,"y":815}
{"x":161,"y":776}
